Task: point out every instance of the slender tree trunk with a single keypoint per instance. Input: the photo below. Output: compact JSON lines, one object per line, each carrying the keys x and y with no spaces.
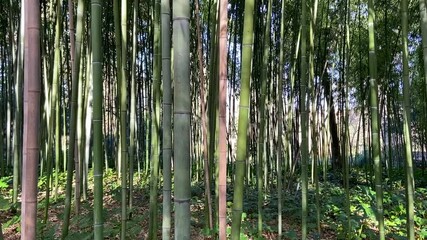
{"x":78,"y":158}
{"x":242,"y":137}
{"x":64,"y":132}
{"x":53,"y":101}
{"x":182,"y":113}
{"x":346,"y":151}
{"x":261,"y":160}
{"x":410,"y":187}
{"x":32,"y":86}
{"x":74,"y":92}
{"x":213,"y":100}
{"x":123,"y":117}
{"x":78,"y":125}
{"x":304,"y":118}
{"x":86,"y":122}
{"x":280,"y":123}
{"x":118,"y":41}
{"x":57,"y":133}
{"x":155,"y":138}
{"x":208,"y":197}
{"x":222,"y":178}
{"x":133,"y":139}
{"x":376,"y":154}
{"x":314,"y":129}
{"x":167,"y":123}
{"x":423,"y":26}
{"x":17,"y":138}
{"x":98,"y":149}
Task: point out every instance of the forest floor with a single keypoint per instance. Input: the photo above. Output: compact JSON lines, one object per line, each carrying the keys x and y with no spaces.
{"x":332,"y":214}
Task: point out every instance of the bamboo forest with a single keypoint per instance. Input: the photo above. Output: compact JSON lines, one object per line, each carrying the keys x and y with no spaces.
{"x":213,"y":119}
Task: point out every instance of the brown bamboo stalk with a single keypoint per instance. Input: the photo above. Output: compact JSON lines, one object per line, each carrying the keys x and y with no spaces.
{"x":222,"y":178}
{"x":32,"y":78}
{"x":203,"y":116}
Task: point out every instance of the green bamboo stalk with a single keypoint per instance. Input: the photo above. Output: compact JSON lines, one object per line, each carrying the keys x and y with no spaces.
{"x":53,"y":101}
{"x":376,"y":154}
{"x":123,"y":112}
{"x":314,"y":129}
{"x":212,"y":100}
{"x":133,"y":116}
{"x":222,"y":146}
{"x":346,"y":151}
{"x":182,"y":115}
{"x":423,"y":26}
{"x":64,"y":129}
{"x":73,"y":121}
{"x":243,"y":119}
{"x":155,"y":138}
{"x":118,"y":42}
{"x":167,"y":108}
{"x":280,"y":123}
{"x":17,"y":138}
{"x":78,"y":163}
{"x":204,"y":133}
{"x":98,"y":150}
{"x":87,"y":121}
{"x":57,"y":136}
{"x":304,"y":102}
{"x":64,"y":132}
{"x":410,"y":188}
{"x":262,"y":112}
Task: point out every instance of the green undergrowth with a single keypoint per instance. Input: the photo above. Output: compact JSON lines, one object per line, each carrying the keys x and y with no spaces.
{"x":332,"y":210}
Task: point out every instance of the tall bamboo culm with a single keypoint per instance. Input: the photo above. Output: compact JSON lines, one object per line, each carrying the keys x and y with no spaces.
{"x":304,"y":118}
{"x":181,"y":116}
{"x":280,"y":123}
{"x":75,"y":63}
{"x":98,"y":149}
{"x":375,"y":134}
{"x":167,"y":110}
{"x":155,"y":124}
{"x":241,"y":154}
{"x":32,"y":88}
{"x":222,"y":178}
{"x":410,"y":186}
{"x":123,"y":117}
